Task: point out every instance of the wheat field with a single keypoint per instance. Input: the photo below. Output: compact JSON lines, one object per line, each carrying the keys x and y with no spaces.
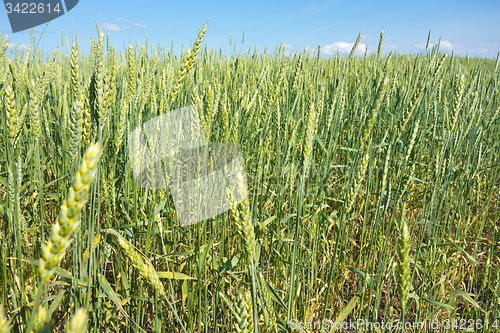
{"x":373,"y":191}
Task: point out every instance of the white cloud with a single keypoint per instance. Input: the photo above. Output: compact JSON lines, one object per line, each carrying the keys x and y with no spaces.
{"x":301,"y":48}
{"x":445,"y":45}
{"x":392,"y":47}
{"x":120,"y":19}
{"x":140,"y":25}
{"x":308,"y":49}
{"x":12,"y":46}
{"x":111,"y":26}
{"x":342,"y":47}
{"x":288,"y":49}
{"x":487,"y":50}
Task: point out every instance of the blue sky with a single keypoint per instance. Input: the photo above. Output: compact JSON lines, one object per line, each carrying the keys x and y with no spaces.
{"x":463,"y":26}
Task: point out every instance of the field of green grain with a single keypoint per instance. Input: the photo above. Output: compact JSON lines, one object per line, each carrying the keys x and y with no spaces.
{"x":373,"y":191}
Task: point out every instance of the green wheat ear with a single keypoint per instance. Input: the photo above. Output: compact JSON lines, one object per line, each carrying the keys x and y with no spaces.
{"x":404,"y":244}
{"x":242,"y":311}
{"x":69,"y":218}
{"x":243,"y":218}
{"x":10,"y":108}
{"x":4,"y":323}
{"x":42,"y":321}
{"x":355,"y":46}
{"x":380,"y":44}
{"x":145,"y":270}
{"x":78,"y":323}
{"x":268,"y":301}
{"x":188,"y":63}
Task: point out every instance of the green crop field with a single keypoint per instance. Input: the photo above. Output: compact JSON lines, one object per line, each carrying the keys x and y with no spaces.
{"x":373,"y":191}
